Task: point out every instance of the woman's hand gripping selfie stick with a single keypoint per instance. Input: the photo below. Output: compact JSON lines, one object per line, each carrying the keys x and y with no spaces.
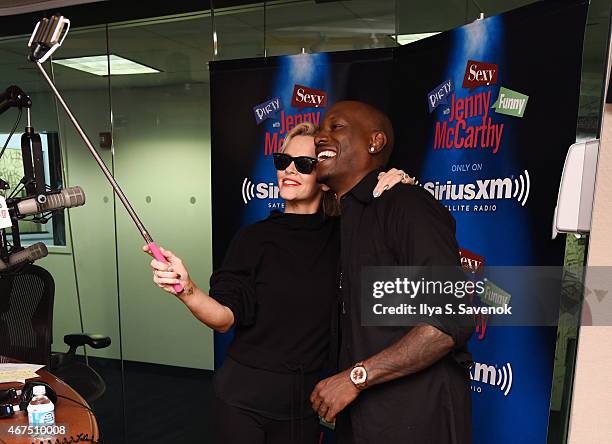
{"x":48,"y":35}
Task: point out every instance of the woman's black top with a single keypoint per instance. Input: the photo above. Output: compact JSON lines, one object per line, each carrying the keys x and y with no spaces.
{"x":279,"y":278}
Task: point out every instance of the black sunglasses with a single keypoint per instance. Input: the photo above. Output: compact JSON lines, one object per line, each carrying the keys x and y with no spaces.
{"x":303,"y":164}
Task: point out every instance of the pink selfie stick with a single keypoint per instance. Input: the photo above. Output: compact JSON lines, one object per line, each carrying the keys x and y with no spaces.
{"x":43,"y":46}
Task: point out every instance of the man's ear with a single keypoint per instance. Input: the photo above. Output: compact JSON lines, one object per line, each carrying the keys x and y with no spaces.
{"x":378,"y":141}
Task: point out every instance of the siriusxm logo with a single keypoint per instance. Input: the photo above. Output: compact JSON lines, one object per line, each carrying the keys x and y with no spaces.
{"x":483,"y":189}
{"x":492,"y":375}
{"x":260,"y":190}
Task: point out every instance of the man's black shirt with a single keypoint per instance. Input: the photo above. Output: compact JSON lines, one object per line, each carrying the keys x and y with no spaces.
{"x":405,"y":226}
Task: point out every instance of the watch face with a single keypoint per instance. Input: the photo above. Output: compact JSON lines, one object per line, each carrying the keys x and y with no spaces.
{"x":359,"y":375}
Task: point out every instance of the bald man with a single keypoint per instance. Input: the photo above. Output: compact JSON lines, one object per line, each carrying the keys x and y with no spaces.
{"x":397,"y":384}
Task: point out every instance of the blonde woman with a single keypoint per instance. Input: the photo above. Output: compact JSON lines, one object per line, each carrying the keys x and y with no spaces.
{"x":277,"y":286}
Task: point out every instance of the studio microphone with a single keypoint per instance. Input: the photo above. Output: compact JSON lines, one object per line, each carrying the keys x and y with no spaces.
{"x":27,"y":255}
{"x":65,"y":198}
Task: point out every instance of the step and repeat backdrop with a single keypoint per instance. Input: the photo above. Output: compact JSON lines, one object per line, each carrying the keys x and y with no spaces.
{"x":483,"y":115}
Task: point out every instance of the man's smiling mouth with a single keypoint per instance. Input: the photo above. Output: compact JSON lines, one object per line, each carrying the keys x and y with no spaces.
{"x":325,"y":155}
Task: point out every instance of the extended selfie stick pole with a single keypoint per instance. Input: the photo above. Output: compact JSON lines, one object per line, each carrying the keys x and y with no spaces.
{"x":48,"y":35}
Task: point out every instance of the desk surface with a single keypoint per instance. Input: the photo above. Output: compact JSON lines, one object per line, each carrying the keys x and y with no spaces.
{"x":76,"y":418}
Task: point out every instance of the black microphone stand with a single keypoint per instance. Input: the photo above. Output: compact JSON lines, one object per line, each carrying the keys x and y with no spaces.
{"x":15,"y":97}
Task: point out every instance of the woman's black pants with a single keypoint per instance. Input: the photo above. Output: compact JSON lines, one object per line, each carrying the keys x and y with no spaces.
{"x":233,"y":425}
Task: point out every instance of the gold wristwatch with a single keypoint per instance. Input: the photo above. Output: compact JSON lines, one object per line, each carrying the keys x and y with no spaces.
{"x":359,"y":376}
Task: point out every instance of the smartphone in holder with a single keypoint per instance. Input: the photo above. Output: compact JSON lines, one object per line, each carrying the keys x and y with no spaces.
{"x":48,"y":35}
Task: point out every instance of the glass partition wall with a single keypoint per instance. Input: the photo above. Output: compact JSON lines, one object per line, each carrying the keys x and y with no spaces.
{"x":141,"y":91}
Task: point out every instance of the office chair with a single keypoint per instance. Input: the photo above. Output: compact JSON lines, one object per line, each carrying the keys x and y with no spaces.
{"x":78,"y":374}
{"x":26,"y":323}
{"x":26,"y":313}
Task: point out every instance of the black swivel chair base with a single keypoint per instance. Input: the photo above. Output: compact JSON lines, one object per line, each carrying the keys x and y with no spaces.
{"x":77,"y":374}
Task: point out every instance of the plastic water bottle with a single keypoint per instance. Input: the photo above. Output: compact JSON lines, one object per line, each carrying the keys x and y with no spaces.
{"x":41,"y":411}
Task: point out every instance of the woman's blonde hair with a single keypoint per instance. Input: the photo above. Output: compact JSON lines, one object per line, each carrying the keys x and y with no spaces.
{"x":329,"y":203}
{"x":301,"y":129}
